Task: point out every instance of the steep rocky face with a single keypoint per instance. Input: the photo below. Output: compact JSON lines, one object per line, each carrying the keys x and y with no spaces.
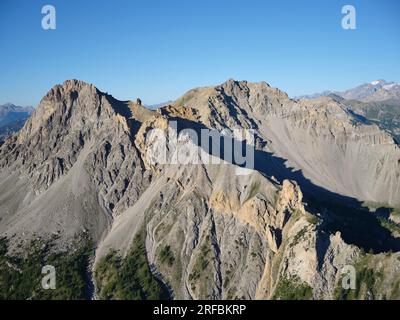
{"x":73,"y":160}
{"x":319,"y":137}
{"x":180,"y":252}
{"x":84,"y":164}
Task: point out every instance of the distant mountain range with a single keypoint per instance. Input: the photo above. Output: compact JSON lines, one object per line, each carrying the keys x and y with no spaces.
{"x":12,"y":118}
{"x":158,"y":105}
{"x":378,"y":90}
{"x":377,"y":102}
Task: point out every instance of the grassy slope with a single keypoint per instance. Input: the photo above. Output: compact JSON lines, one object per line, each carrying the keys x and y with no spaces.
{"x":21,"y":277}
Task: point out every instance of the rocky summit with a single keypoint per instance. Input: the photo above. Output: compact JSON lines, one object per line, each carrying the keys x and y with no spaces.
{"x":81,"y":180}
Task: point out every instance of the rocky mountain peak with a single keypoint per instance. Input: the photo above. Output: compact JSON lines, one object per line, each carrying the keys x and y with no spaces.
{"x":70,"y":118}
{"x":68,"y":90}
{"x":8,"y":107}
{"x":378,"y":82}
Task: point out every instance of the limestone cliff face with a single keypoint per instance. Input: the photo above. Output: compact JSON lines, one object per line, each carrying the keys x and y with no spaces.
{"x":74,"y":159}
{"x":319,"y":137}
{"x":86,"y":162}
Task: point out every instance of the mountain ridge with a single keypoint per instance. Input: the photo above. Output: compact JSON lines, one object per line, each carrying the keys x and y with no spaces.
{"x":377,"y":90}
{"x":377,"y":102}
{"x":80,"y":166}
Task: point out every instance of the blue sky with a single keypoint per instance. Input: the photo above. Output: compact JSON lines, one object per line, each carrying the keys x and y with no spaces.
{"x":157,"y":50}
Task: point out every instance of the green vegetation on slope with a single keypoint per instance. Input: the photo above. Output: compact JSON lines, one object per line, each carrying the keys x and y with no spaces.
{"x":292,"y":289}
{"x":366,"y":279}
{"x":254,"y":188}
{"x":298,"y":236}
{"x":385,"y":114}
{"x":21,"y":276}
{"x":201,"y":274}
{"x":128,"y":278}
{"x":390,"y":225}
{"x":167,"y":256}
{"x":202,"y":261}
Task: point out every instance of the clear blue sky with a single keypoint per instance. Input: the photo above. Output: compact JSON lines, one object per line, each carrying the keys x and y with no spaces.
{"x":157,"y":50}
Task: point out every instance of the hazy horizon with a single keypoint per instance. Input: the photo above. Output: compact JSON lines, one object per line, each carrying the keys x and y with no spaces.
{"x":174,"y":98}
{"x":299,"y":47}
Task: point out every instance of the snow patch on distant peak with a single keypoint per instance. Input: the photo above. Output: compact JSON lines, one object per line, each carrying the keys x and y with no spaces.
{"x":390,"y":86}
{"x":374,"y":83}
